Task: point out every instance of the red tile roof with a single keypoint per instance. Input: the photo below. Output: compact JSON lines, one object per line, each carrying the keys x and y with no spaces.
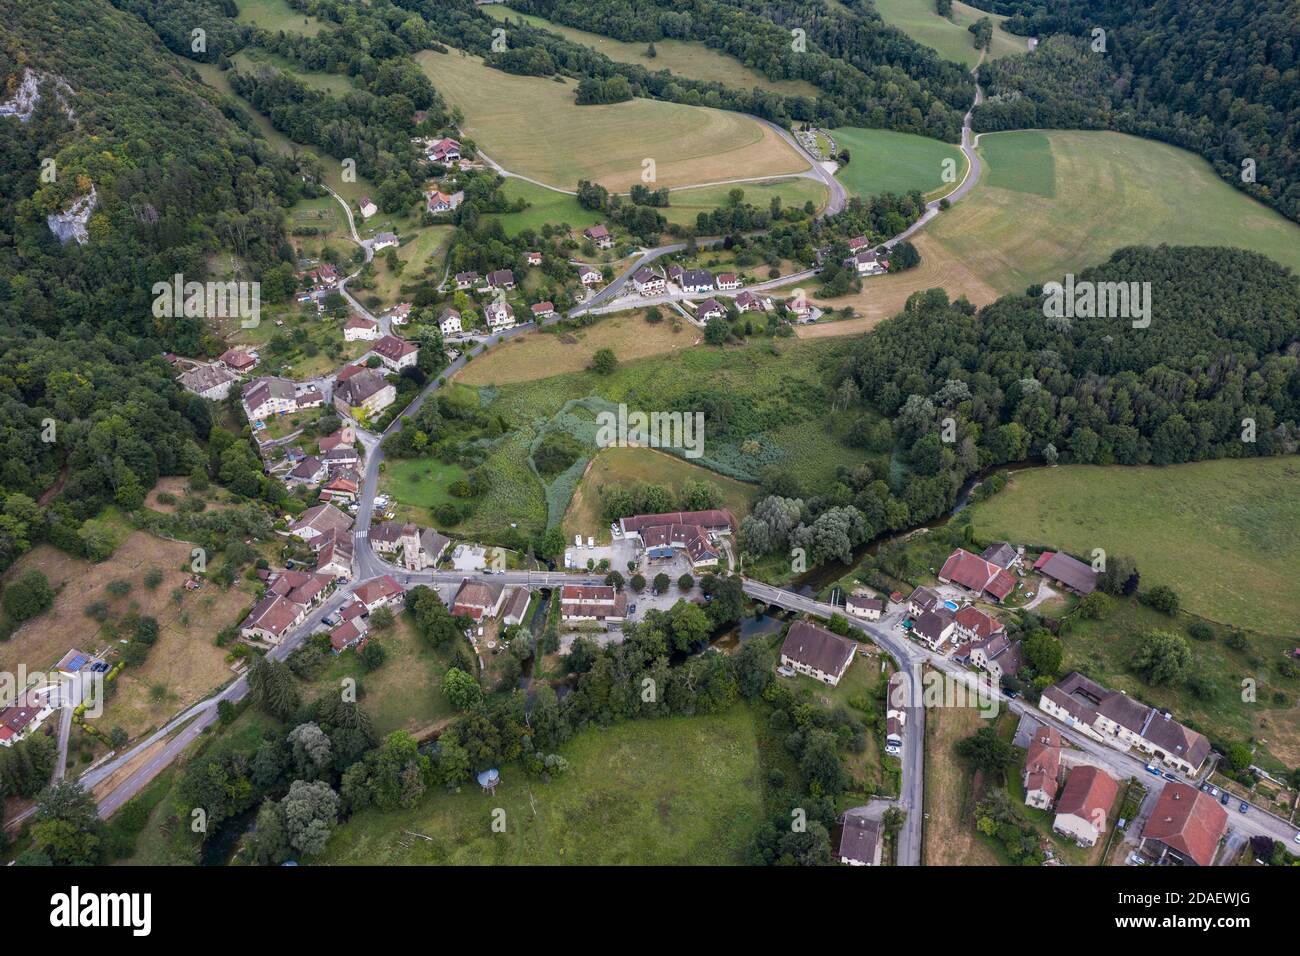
{"x":1187,"y":821}
{"x":1089,"y":793}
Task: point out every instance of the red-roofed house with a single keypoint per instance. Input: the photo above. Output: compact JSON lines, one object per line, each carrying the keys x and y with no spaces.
{"x":1085,"y":805}
{"x":1042,"y":768}
{"x":977,"y":575}
{"x":1185,"y":826}
{"x":382,"y":591}
{"x":396,"y":353}
{"x":599,"y":235}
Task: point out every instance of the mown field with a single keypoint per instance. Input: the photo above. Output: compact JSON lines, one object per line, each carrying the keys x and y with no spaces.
{"x":277,"y":15}
{"x":684,"y":790}
{"x":686,"y":204}
{"x":1224,"y":534}
{"x":1052,"y":207}
{"x":950,"y":37}
{"x":605,"y":143}
{"x":624,"y":467}
{"x":882,"y":161}
{"x":689,"y":59}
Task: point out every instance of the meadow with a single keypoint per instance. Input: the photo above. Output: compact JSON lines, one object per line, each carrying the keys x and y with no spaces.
{"x":884,"y":161}
{"x":949,"y":37}
{"x":682,"y":790}
{"x":1224,"y":534}
{"x":691,"y":60}
{"x":686,"y":204}
{"x":602,"y":143}
{"x":277,"y":15}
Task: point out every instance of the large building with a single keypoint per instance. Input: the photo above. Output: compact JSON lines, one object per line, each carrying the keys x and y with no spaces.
{"x":661,"y":536}
{"x":1185,"y":826}
{"x":1085,"y":805}
{"x":1067,"y":571}
{"x":264,"y":397}
{"x":418,"y":547}
{"x":319,"y":521}
{"x":982,"y":578}
{"x":396,"y":353}
{"x":597,"y":603}
{"x":817,"y":652}
{"x":1114,"y":718}
{"x":478,"y":600}
{"x":364,"y":393}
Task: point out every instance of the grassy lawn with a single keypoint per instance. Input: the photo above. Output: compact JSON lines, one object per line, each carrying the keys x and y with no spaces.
{"x":615,"y":467}
{"x":606,"y":143}
{"x":540,"y":354}
{"x":884,"y":161}
{"x":686,"y":204}
{"x":277,"y":15}
{"x":545,"y":206}
{"x":1224,"y":534}
{"x":951,"y":792}
{"x":683,"y":790}
{"x":421,"y":258}
{"x":1049,"y":209}
{"x":420,"y":482}
{"x":689,"y":59}
{"x":950,"y":37}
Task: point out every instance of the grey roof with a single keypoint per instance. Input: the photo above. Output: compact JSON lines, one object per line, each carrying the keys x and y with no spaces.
{"x":858,"y":839}
{"x":1000,"y":553}
{"x":206,"y":377}
{"x":817,"y":648}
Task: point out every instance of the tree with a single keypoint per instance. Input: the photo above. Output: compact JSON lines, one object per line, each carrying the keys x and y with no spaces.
{"x":68,"y":829}
{"x":273,"y":687}
{"x":28,"y":596}
{"x":1120,"y":576}
{"x":1044,"y":654}
{"x":1161,"y":597}
{"x":461,"y":689}
{"x":604,"y":362}
{"x":381,"y":619}
{"x":662,"y":582}
{"x":637,"y":583}
{"x":686,"y":582}
{"x":614,"y":580}
{"x":986,"y":751}
{"x":1162,"y":658}
{"x":298,"y":826}
{"x":312,"y":751}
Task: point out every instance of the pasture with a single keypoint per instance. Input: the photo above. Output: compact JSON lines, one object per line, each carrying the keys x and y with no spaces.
{"x":276,"y":15}
{"x":533,"y":127}
{"x":950,"y":37}
{"x":884,"y":161}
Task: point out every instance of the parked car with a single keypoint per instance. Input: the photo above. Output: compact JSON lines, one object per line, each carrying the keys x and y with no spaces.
{"x":1153,"y":769}
{"x":1297,"y":838}
{"x":1214,"y":791}
{"x":1244,"y":806}
{"x":1169,"y":776}
{"x":1224,"y":799}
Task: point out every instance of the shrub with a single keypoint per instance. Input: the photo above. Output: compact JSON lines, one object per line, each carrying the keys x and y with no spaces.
{"x":1201,"y":630}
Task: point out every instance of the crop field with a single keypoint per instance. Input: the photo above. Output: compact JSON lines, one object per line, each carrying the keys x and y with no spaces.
{"x":950,"y":37}
{"x":277,"y":15}
{"x":682,"y":790}
{"x":688,"y":59}
{"x":619,"y":467}
{"x":605,"y":143}
{"x":1224,"y":534}
{"x":1015,"y":229}
{"x":882,"y":161}
{"x":539,"y":354}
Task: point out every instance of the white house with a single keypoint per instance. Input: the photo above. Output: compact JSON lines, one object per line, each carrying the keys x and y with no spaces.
{"x":817,"y":652}
{"x":368,"y":208}
{"x":449,"y":322}
{"x":396,"y":353}
{"x":499,"y":315}
{"x":358,"y":328}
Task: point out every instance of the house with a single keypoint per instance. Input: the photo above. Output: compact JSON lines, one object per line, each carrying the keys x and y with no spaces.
{"x":747,"y":302}
{"x":439,"y":202}
{"x":817,"y":652}
{"x":974,"y":625}
{"x":1085,"y":805}
{"x":648,"y":282}
{"x":383,"y":591}
{"x":324,"y":276}
{"x":271,"y":618}
{"x":663,"y":535}
{"x":420,"y":548}
{"x":365,"y":393}
{"x":590,"y":275}
{"x":934,"y":627}
{"x":396,"y":353}
{"x":599,"y":235}
{"x":24,"y":716}
{"x":308,"y":471}
{"x":1185,"y":826}
{"x":341,"y":458}
{"x":501,"y":279}
{"x":998,"y":655}
{"x":800,"y":308}
{"x":599,"y":603}
{"x":695,"y":280}
{"x":727,"y":281}
{"x":348,"y":634}
{"x":400,"y":314}
{"x":238,"y":360}
{"x":710,"y":309}
{"x":1070,"y":572}
{"x":1002,"y":554}
{"x":859,"y":841}
{"x":466,"y":280}
{"x":384,"y":240}
{"x":864,"y":606}
{"x":345,"y":437}
{"x":449,"y":322}
{"x":264,"y":397}
{"x":543,"y":310}
{"x":359,"y":328}
{"x":978,"y":576}
{"x":208,"y":381}
{"x":499,"y":315}
{"x":516,"y":606}
{"x":1042,"y":768}
{"x":866,"y":263}
{"x":444,"y":151}
{"x":1116,"y":719}
{"x":339,"y":489}
{"x":367,"y":207}
{"x":304,"y":588}
{"x":334,"y":556}
{"x":478,"y":600}
{"x":319,"y":520}
{"x":858,"y":243}
{"x":533,"y":258}
{"x":307,"y":396}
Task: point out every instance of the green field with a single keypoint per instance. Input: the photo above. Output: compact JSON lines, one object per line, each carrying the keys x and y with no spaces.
{"x":533,"y":127}
{"x":949,"y":37}
{"x":250,"y":59}
{"x":419,"y":482}
{"x":422,"y":257}
{"x":683,"y":790}
{"x":686,"y":204}
{"x":689,"y":59}
{"x":545,"y":206}
{"x":885,"y":161}
{"x":277,"y":15}
{"x":1042,"y":210}
{"x":1224,"y":534}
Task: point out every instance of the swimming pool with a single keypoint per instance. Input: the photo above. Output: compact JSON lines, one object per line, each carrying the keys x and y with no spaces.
{"x":950,"y":605}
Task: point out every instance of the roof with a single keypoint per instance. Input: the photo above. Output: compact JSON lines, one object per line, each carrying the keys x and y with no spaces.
{"x":393,"y":348}
{"x":345,"y":634}
{"x":976,"y":621}
{"x":357,"y":388}
{"x":541,"y":308}
{"x":322,"y":518}
{"x":475,"y":596}
{"x":18,"y":715}
{"x":273,"y":613}
{"x":1173,"y":738}
{"x":999,"y":553}
{"x":973,"y":572}
{"x":1089,"y":793}
{"x":710,"y":305}
{"x":817,"y":648}
{"x":375,"y":589}
{"x":1071,"y":572}
{"x":206,"y":377}
{"x":308,"y":468}
{"x":716,"y":519}
{"x":518,"y":603}
{"x":925,"y":598}
{"x":858,"y":839}
{"x":864,"y":602}
{"x":237,"y":357}
{"x":597,"y":231}
{"x":588,"y":593}
{"x":931,"y":623}
{"x":1043,"y":761}
{"x":357,"y":322}
{"x":1188,"y":821}
{"x":501,"y":277}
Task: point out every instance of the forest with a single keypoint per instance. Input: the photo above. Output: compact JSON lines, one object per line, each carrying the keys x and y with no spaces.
{"x":1218,"y":79}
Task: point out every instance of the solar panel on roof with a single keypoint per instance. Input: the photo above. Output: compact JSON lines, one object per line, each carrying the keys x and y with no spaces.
{"x":77,"y":663}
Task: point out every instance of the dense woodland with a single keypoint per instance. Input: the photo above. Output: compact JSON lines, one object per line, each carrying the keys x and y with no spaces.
{"x":1216,"y":78}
